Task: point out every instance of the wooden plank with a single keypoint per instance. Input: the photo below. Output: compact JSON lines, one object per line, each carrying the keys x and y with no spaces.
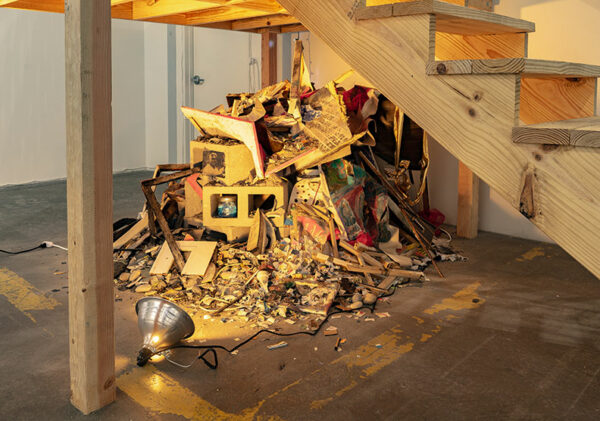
{"x":155,"y":211}
{"x":89,"y":198}
{"x":472,"y":117}
{"x":583,"y":132}
{"x":143,"y":9}
{"x":163,"y":262}
{"x":460,"y":47}
{"x":268,"y":59}
{"x":200,"y":256}
{"x":526,"y":66}
{"x":133,"y":232}
{"x":263,"y":22}
{"x":450,"y":18}
{"x":555,"y":99}
{"x":222,"y":14}
{"x":468,"y":203}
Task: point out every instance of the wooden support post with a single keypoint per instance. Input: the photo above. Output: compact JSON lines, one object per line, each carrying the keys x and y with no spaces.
{"x":468,"y":202}
{"x":268,"y":58}
{"x":89,"y":199}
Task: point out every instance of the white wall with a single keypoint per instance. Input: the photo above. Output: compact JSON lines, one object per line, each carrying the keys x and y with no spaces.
{"x":566,"y":30}
{"x":32,"y":96}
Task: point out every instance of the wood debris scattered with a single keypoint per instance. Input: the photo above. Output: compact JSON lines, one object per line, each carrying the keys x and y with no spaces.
{"x":290,"y":206}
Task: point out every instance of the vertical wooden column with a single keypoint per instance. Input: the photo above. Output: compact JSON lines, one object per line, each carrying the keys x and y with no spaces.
{"x":268,"y":58}
{"x":468,"y":202}
{"x":89,"y":200}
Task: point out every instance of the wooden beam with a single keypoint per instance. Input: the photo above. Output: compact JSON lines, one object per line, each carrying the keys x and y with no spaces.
{"x":263,"y":22}
{"x":221,"y":14}
{"x":268,"y":59}
{"x":142,"y":9}
{"x":89,"y":199}
{"x":468,"y":203}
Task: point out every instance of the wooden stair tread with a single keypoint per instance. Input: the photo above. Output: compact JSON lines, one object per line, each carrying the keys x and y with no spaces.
{"x":578,"y":132}
{"x":525,"y":66}
{"x":450,"y":18}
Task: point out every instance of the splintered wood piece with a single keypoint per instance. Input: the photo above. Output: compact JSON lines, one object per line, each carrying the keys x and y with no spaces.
{"x":163,"y":262}
{"x":133,"y":232}
{"x":164,"y":226}
{"x":336,"y":253}
{"x":399,"y":198}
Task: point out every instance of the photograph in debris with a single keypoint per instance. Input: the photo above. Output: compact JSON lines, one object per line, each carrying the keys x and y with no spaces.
{"x":298,"y":200}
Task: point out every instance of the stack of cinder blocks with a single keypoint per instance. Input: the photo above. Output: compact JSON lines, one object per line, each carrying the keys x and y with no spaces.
{"x":230,"y":164}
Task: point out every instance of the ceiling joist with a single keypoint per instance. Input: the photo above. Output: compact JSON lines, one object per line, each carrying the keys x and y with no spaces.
{"x":239,"y":15}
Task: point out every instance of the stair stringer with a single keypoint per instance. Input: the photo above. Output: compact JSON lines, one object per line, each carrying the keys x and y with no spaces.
{"x":472,"y":116}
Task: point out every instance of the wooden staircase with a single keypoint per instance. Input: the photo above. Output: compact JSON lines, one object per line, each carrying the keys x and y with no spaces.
{"x":526,"y":127}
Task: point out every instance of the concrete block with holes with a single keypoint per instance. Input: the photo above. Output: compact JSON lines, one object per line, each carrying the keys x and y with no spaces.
{"x":272,"y":198}
{"x":228,"y":163}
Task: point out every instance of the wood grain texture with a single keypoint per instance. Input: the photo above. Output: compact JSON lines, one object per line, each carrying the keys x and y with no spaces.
{"x":473,"y":47}
{"x":526,"y":66}
{"x":450,"y":17}
{"x":583,"y":132}
{"x":468,"y":203}
{"x":555,"y":99}
{"x":89,"y":199}
{"x":268,"y":53}
{"x":472,"y":116}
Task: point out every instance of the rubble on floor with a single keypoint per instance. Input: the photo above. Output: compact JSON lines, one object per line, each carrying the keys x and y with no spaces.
{"x":288,"y":208}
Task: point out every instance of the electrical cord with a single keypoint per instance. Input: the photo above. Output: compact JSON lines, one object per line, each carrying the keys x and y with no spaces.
{"x":45,"y":244}
{"x":212,"y":348}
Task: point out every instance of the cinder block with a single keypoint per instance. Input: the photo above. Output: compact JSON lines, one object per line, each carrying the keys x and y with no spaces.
{"x":249,"y":198}
{"x":227,"y":163}
{"x":193,"y":197}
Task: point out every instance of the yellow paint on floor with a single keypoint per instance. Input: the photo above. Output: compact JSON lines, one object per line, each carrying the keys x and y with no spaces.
{"x":23,"y":295}
{"x":161,"y":394}
{"x":373,"y":358}
{"x":466,"y":298}
{"x":531,"y":254}
{"x":386,"y":348}
{"x":320,"y":404}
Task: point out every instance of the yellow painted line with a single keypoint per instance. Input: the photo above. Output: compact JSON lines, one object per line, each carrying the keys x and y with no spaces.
{"x":23,"y":295}
{"x":531,"y":254}
{"x":161,"y":394}
{"x":372,"y":359}
{"x":464,"y":299}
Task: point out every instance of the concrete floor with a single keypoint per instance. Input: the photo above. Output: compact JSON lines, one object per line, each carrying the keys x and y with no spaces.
{"x":511,"y":334}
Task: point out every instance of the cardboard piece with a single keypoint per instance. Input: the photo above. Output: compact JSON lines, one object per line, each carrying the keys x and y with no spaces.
{"x":231,"y":128}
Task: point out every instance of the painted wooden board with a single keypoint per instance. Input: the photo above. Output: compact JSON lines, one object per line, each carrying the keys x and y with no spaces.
{"x":526,"y":66}
{"x":472,"y":116}
{"x":583,"y":132}
{"x":201,"y":253}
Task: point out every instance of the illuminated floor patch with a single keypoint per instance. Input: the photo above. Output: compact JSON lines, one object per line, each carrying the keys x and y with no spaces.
{"x":23,"y":295}
{"x":161,"y":394}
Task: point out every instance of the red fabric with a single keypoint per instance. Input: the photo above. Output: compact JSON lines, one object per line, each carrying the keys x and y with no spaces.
{"x":355,"y":98}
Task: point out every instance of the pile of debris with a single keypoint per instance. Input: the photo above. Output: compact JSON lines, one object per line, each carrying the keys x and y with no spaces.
{"x":296,"y":199}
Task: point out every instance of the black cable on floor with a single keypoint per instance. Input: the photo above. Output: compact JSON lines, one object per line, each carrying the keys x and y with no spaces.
{"x":41,"y":246}
{"x":212,"y":348}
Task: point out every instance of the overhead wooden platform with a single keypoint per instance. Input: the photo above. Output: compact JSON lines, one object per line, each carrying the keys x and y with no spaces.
{"x":238,"y":15}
